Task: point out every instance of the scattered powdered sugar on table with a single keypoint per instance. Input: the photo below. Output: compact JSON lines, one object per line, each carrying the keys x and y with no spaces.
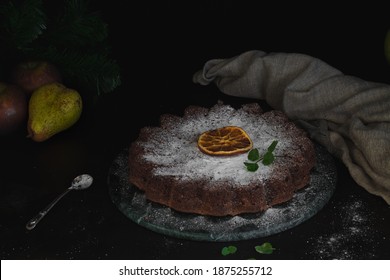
{"x":352,"y":237}
{"x":174,"y":150}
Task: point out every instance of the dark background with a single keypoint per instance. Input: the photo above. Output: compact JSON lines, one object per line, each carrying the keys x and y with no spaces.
{"x":159,"y":46}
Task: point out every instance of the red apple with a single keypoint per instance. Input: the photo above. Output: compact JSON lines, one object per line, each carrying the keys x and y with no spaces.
{"x":31,"y":75}
{"x":13,"y":108}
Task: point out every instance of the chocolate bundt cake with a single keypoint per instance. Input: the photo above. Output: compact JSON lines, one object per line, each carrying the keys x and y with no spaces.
{"x":166,"y":163}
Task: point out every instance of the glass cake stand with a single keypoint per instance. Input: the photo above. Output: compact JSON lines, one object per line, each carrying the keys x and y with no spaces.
{"x":305,"y":204}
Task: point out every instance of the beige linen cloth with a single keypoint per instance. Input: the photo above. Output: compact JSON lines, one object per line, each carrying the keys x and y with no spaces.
{"x":347,"y":115}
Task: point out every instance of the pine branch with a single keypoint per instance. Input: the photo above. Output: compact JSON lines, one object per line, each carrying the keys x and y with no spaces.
{"x":93,"y":70}
{"x":21,"y":24}
{"x":77,"y":26}
{"x":72,"y":37}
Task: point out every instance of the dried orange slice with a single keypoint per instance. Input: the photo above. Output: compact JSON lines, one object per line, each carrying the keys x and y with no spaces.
{"x":224,"y":141}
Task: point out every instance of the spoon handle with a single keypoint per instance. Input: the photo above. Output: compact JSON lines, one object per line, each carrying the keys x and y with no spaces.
{"x":34,"y":221}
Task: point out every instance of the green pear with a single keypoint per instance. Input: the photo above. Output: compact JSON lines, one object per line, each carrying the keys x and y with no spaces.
{"x":52,"y":108}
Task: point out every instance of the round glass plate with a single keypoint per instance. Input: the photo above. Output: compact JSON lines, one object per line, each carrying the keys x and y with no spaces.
{"x":305,"y":204}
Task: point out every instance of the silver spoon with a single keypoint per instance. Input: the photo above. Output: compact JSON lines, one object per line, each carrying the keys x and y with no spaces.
{"x":81,"y":182}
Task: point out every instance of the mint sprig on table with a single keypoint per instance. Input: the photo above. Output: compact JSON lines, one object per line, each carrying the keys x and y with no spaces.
{"x":265,"y":248}
{"x":254,"y":157}
{"x":228,"y":250}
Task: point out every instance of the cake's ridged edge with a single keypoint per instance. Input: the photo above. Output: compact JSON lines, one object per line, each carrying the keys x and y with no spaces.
{"x":218,"y":201}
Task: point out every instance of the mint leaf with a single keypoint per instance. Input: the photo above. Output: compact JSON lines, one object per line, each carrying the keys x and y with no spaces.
{"x":251,"y":166}
{"x":271,"y":148}
{"x":265,"y":248}
{"x":225,"y":251}
{"x":254,"y":155}
{"x":268,"y":158}
{"x":228,"y":250}
{"x":232,"y":249}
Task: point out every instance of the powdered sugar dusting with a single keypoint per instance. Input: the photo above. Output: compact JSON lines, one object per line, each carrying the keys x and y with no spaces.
{"x":305,"y":203}
{"x":354,"y":239}
{"x":173,"y":148}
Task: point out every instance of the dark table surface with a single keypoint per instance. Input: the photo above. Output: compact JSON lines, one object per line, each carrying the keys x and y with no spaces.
{"x":157,"y":65}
